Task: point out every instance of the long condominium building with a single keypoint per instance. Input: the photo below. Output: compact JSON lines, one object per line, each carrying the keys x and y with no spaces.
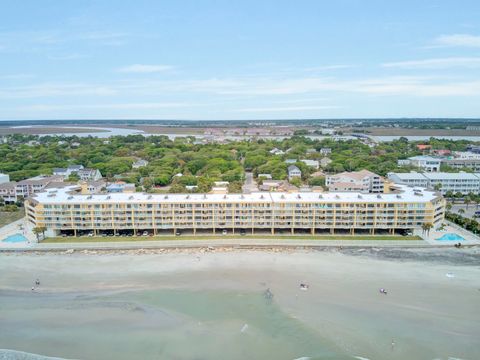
{"x":461,"y":182}
{"x":61,"y":210}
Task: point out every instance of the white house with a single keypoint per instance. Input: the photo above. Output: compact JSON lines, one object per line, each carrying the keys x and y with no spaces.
{"x":427,"y":163}
{"x":293,"y":172}
{"x":324,"y":162}
{"x":276,"y":151}
{"x":265,"y":176}
{"x":139,"y":163}
{"x":312,"y":163}
{"x":325,"y":151}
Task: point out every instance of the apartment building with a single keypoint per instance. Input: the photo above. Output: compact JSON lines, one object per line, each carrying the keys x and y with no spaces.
{"x":462,"y":182}
{"x":65,"y":210}
{"x":363,"y":181}
{"x":463,"y":159}
{"x":36,"y":184}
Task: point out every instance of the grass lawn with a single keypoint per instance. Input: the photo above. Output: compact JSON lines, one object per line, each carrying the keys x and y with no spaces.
{"x":220,"y":237}
{"x":9,"y":217}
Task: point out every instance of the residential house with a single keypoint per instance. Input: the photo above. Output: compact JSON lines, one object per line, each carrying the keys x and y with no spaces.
{"x":312,"y":163}
{"x":363,"y":181}
{"x":441,"y":152}
{"x":325,"y":151}
{"x":265,"y":176}
{"x":7,"y":192}
{"x":294,"y":172}
{"x":120,"y":187}
{"x":139,"y":163}
{"x":93,"y":187}
{"x":276,"y":151}
{"x":66,"y":172}
{"x":428,"y":163}
{"x":324,"y":162}
{"x":89,"y":174}
{"x":424,"y":147}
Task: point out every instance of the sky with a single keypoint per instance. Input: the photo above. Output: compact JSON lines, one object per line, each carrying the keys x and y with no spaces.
{"x":225,"y":60}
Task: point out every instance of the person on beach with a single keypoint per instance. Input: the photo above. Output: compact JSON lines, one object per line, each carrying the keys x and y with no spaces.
{"x":37,"y":282}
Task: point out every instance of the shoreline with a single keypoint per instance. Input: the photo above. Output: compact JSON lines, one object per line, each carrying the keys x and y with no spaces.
{"x":467,"y":256}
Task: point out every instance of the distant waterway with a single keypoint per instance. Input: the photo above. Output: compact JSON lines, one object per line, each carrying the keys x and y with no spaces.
{"x":106,"y":132}
{"x":424,"y":137}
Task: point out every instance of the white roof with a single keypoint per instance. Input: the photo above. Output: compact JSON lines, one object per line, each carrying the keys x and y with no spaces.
{"x":435,"y":176}
{"x":408,"y":176}
{"x":425,"y":158}
{"x":451,"y":176}
{"x":61,"y":195}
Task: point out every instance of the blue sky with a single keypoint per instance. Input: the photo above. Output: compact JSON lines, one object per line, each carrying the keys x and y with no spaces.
{"x":239,"y":59}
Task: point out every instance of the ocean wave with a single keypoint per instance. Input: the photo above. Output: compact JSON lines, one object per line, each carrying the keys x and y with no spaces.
{"x":7,"y":354}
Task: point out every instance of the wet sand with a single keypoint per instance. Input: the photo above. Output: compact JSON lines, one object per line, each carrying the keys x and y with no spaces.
{"x":166,"y":304}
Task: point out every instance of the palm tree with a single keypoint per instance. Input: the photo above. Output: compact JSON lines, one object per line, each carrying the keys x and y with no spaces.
{"x":39,"y":230}
{"x":467,"y":201}
{"x":461,"y":211}
{"x":448,"y":206}
{"x":426,"y":227}
{"x":437,"y":186}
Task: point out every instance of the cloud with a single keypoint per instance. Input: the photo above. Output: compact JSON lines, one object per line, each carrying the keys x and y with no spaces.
{"x":73,"y":56}
{"x":55,"y":90}
{"x":246,"y":88}
{"x":461,"y":40}
{"x":331,"y":67}
{"x":142,"y":68}
{"x":109,"y":106}
{"x":439,"y":63}
{"x":287,"y":108}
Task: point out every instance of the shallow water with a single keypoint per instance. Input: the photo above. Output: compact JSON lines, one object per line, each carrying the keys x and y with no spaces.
{"x":194,"y":305}
{"x":159,"y":324}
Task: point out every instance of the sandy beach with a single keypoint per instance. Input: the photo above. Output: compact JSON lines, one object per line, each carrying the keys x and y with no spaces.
{"x":212,"y":305}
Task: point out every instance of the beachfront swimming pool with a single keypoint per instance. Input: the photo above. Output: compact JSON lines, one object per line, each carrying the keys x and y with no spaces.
{"x":17,"y":238}
{"x":450,"y":237}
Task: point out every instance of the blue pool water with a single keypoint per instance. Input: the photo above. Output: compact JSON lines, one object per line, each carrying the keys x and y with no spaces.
{"x":15,"y":238}
{"x":450,"y":237}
